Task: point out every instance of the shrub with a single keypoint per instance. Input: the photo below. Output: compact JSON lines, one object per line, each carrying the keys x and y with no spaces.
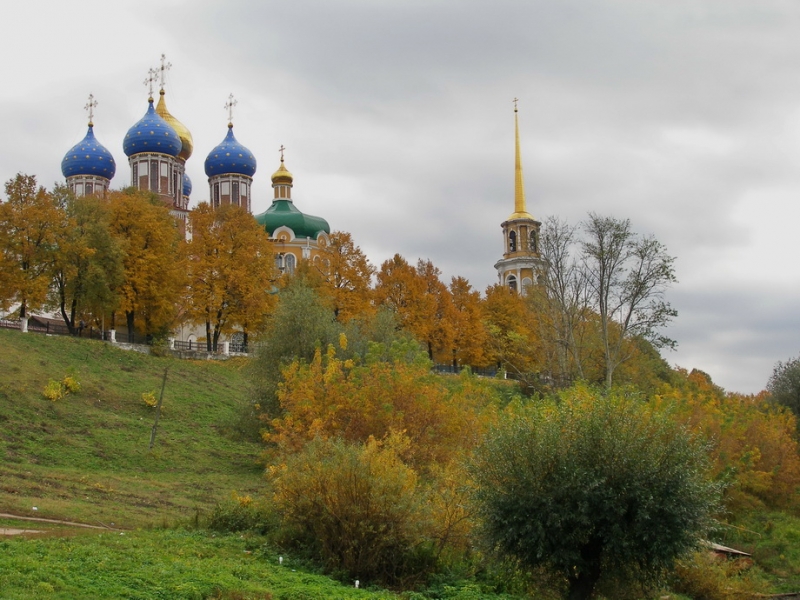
{"x":242,"y":513}
{"x":149,"y":398}
{"x":703,"y":575}
{"x":71,"y":385}
{"x":356,"y":507}
{"x":53,"y":390}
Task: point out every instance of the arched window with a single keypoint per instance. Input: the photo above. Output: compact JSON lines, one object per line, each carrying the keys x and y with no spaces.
{"x":512,"y":282}
{"x":291,"y":261}
{"x":279,"y":262}
{"x":512,"y":241}
{"x":534,"y":242}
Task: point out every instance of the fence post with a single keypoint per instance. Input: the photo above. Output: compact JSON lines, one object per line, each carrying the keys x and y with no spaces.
{"x":23,"y":325}
{"x":112,"y":336}
{"x":226,"y":347}
{"x":171,"y":343}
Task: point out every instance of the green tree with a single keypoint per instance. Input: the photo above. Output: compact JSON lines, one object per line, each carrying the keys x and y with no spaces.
{"x":784,"y":384}
{"x":28,"y":221}
{"x":593,"y":485}
{"x":300,"y":324}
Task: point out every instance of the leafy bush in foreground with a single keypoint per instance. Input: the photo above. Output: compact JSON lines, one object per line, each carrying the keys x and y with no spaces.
{"x":593,"y":486}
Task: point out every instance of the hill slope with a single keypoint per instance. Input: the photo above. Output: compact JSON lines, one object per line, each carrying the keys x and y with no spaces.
{"x":85,"y":457}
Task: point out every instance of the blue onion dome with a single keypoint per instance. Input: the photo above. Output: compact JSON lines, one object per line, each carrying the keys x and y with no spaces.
{"x":187,"y":185}
{"x":152,"y":134}
{"x":230,"y":157}
{"x":89,"y":157}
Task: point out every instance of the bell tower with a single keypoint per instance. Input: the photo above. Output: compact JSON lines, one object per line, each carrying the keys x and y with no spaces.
{"x":521,"y":262}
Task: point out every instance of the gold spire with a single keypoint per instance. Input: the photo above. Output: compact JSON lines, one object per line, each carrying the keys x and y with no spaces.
{"x":519,"y":184}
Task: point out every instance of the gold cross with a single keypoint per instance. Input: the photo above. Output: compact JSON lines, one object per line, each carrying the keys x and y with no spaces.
{"x":515,"y":104}
{"x":281,"y":149}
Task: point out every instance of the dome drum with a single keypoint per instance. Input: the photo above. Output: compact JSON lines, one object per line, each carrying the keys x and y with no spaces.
{"x":231,"y":189}
{"x":87,"y":185}
{"x":157,"y":173}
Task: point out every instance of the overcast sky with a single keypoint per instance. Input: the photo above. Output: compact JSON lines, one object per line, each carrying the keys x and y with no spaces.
{"x":397,"y":116}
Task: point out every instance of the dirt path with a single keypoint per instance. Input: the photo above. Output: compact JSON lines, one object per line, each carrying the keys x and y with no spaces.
{"x":8,"y":531}
{"x":42,"y":520}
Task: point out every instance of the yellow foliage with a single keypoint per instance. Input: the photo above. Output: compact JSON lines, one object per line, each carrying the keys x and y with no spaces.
{"x":330,"y":398}
{"x":149,"y":398}
{"x":53,"y":390}
{"x":56,"y":390}
{"x":753,"y":443}
{"x":71,"y":385}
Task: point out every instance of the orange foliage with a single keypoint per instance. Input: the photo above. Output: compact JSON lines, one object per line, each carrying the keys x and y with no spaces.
{"x":331,"y":398}
{"x":346,"y":276}
{"x":753,"y":442}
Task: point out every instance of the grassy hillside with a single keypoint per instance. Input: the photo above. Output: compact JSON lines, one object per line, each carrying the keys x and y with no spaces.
{"x":86,"y":457}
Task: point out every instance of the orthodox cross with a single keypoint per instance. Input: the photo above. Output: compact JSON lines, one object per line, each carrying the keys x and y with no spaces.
{"x":229,"y":107}
{"x":90,"y":107}
{"x":165,"y":66}
{"x":515,"y":104}
{"x":281,"y":149}
{"x":151,"y":77}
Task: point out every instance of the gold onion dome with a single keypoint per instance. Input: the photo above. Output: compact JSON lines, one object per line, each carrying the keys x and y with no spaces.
{"x":282,"y":175}
{"x":187,"y":144}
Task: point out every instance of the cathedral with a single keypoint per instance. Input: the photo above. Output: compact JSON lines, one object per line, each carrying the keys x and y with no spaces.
{"x":158,"y":146}
{"x":522,"y":263}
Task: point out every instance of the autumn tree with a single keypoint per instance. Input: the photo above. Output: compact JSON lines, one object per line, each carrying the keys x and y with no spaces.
{"x":231,"y":269}
{"x":402,"y":291}
{"x":88,"y":265}
{"x":753,"y":443}
{"x":421,"y":302}
{"x":592,"y":486}
{"x":154,"y":264}
{"x":512,"y":342}
{"x":346,"y":277}
{"x":469,"y":333}
{"x":627,"y":276}
{"x":440,"y":339}
{"x":28,"y":219}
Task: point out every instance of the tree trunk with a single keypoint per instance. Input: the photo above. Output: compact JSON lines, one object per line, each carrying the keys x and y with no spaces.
{"x":129,"y":316}
{"x":208,"y":335}
{"x":582,"y":586}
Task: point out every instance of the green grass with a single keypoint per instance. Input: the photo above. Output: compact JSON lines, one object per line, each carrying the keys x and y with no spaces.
{"x":773,"y":538}
{"x":86,"y":457}
{"x":173,"y":564}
